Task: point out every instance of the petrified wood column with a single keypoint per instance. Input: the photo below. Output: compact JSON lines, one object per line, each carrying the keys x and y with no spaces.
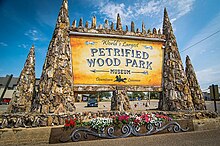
{"x":176,"y":93}
{"x":24,"y":92}
{"x":119,"y":25}
{"x":196,"y":92}
{"x":93,"y":26}
{"x":56,"y":85}
{"x":120,"y":101}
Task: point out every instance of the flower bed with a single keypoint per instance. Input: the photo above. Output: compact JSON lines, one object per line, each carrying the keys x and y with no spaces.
{"x":118,"y":120}
{"x":30,"y":120}
{"x":120,"y":126}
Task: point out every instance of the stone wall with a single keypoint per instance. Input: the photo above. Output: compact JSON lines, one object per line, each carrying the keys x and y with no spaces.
{"x":36,"y":136}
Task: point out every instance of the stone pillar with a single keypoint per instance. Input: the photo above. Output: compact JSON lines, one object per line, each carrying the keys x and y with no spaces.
{"x":196,"y":92}
{"x":81,"y":22}
{"x":93,"y":26}
{"x":126,"y":28}
{"x":114,"y":102}
{"x":176,"y":93}
{"x":87,"y":25}
{"x":143,"y":28}
{"x":56,"y":82}
{"x":118,"y":25}
{"x":74,"y":24}
{"x":132,"y":26}
{"x":24,"y":92}
{"x":120,"y":101}
{"x":112,"y":26}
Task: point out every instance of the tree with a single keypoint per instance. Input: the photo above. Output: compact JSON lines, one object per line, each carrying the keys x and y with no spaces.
{"x":136,"y":94}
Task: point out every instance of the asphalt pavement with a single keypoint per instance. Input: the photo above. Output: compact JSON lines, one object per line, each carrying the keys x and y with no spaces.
{"x":195,"y":138}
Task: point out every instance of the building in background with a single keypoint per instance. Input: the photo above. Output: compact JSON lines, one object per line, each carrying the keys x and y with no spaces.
{"x":8,"y":85}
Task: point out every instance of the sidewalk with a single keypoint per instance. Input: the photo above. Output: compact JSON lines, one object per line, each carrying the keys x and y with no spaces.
{"x":196,"y":138}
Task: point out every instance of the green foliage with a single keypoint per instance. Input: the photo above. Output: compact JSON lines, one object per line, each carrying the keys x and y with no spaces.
{"x":101,"y":94}
{"x":136,"y":95}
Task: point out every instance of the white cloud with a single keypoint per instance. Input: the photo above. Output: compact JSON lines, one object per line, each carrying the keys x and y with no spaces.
{"x":209,"y":76}
{"x":110,"y":9}
{"x":3,"y":44}
{"x":23,"y":46}
{"x":142,"y":8}
{"x":149,"y":8}
{"x":181,"y":8}
{"x":33,"y":34}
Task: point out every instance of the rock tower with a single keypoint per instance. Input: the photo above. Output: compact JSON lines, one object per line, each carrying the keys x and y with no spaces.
{"x":120,"y":101}
{"x":176,"y":93}
{"x":25,"y":90}
{"x":56,"y":86}
{"x":196,"y":92}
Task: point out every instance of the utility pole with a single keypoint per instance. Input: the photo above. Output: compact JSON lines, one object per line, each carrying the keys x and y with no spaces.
{"x":6,"y":86}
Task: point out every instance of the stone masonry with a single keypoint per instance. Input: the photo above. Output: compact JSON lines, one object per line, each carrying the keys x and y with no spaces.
{"x":56,"y":85}
{"x":55,"y":93}
{"x":24,"y":92}
{"x":120,"y":101}
{"x":196,"y":92}
{"x":176,"y":93}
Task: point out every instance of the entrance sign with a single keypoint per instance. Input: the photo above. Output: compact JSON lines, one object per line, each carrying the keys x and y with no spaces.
{"x":116,"y":60}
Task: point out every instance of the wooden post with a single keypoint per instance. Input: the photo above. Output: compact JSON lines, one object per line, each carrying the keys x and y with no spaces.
{"x":214,"y":93}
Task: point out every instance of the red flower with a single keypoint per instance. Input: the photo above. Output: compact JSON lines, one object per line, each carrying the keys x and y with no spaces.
{"x":123,"y":117}
{"x":72,"y":123}
{"x":67,"y":125}
{"x":66,"y":121}
{"x":136,"y":121}
{"x":163,"y":117}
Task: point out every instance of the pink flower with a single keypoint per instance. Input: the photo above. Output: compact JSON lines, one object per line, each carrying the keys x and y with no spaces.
{"x":123,"y":117}
{"x":137,"y":120}
{"x":146,"y":117}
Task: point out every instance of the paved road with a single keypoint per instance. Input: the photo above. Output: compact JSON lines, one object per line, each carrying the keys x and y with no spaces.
{"x":106,"y":106}
{"x":140,"y":106}
{"x":82,"y":106}
{"x":198,"y":138}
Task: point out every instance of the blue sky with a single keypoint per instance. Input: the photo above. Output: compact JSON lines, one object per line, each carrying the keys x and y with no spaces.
{"x":27,"y":22}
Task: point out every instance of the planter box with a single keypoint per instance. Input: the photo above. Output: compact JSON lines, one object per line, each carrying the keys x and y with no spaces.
{"x":86,"y":134}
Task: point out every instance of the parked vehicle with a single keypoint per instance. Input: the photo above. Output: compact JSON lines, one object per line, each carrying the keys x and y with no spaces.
{"x":5,"y":101}
{"x":92,"y":102}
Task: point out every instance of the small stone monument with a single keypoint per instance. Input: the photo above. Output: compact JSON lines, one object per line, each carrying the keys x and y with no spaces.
{"x":56,"y":85}
{"x":24,"y":92}
{"x":176,"y":93}
{"x":196,"y":92}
